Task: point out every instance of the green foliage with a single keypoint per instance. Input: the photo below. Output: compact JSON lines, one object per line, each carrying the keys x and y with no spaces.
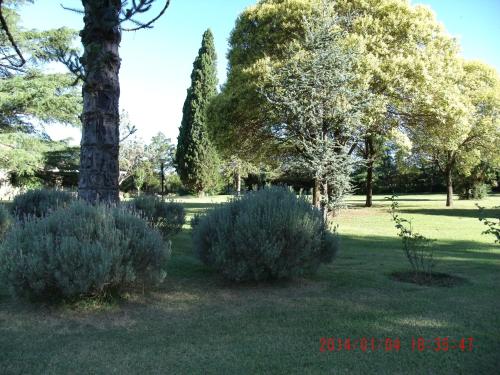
{"x":267,"y":235}
{"x":5,"y":221}
{"x":26,"y":92}
{"x":417,"y":248}
{"x":173,"y":183}
{"x":39,"y":202}
{"x":196,"y":159}
{"x":239,"y":115}
{"x":28,"y":154}
{"x":161,"y":149}
{"x":167,"y":217}
{"x":47,"y":97}
{"x":493,"y":225}
{"x":31,"y":99}
{"x":460,"y":129}
{"x":318,"y":100}
{"x":477,"y":192}
{"x":81,"y":251}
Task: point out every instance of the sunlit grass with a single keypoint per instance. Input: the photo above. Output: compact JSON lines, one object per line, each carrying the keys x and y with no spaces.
{"x":196,"y":323}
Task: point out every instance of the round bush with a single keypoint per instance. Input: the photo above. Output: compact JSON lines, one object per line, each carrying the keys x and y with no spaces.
{"x":39,"y":202}
{"x":167,"y":217}
{"x":81,"y":250}
{"x":267,"y":235}
{"x":5,"y":220}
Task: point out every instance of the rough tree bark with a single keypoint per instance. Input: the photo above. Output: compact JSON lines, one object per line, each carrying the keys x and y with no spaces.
{"x":101,"y":37}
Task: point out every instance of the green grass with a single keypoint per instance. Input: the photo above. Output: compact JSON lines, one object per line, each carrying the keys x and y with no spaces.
{"x":196,"y":323}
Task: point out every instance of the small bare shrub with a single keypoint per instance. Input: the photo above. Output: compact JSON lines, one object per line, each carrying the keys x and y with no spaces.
{"x":418,"y":249}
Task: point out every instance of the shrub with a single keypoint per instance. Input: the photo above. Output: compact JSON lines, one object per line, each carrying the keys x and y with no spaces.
{"x":81,"y":250}
{"x":266,"y":235}
{"x":167,"y":217}
{"x":417,"y":248}
{"x":39,"y":202}
{"x":493,"y":224}
{"x":476,"y":192}
{"x":5,"y":221}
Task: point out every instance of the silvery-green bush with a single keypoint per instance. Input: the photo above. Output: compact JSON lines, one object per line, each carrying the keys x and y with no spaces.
{"x":5,"y":220}
{"x":79,"y":251}
{"x":167,"y":217}
{"x":267,"y":235}
{"x":39,"y":202}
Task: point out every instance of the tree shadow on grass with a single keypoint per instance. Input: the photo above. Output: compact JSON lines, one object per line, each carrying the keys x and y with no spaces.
{"x":454,"y":212}
{"x":399,"y":199}
{"x":359,"y":248}
{"x":369,"y":255}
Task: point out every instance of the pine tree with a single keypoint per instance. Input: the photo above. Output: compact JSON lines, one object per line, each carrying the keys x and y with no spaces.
{"x":196,"y":159}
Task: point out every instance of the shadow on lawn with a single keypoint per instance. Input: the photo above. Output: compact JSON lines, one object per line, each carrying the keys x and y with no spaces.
{"x":456,"y":212}
{"x":375,"y":255}
{"x":355,"y":246}
{"x":399,"y":199}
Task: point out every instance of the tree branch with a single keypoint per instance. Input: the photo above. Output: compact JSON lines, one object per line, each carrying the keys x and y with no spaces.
{"x":142,"y":7}
{"x":11,"y":39}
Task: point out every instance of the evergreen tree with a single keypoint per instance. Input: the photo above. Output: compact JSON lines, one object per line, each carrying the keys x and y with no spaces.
{"x":318,"y":100}
{"x":196,"y":159}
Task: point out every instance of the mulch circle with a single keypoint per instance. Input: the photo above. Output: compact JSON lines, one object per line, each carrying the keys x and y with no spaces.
{"x":422,"y":278}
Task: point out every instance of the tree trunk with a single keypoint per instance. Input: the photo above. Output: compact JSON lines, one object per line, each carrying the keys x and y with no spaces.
{"x":325,"y":201}
{"x":449,"y":187}
{"x":316,"y":194}
{"x":369,"y":173}
{"x":238,"y":183}
{"x":369,"y":185}
{"x":101,"y":36}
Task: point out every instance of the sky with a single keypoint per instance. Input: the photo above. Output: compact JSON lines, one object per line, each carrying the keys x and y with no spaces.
{"x":157,"y":63}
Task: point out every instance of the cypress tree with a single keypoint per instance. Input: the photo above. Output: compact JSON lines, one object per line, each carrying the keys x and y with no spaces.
{"x":196,"y":158}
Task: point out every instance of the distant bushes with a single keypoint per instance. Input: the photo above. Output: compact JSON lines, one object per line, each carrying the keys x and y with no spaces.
{"x":476,"y":192}
{"x":266,"y":235}
{"x":81,"y":250}
{"x":39,"y":202}
{"x":167,"y":217}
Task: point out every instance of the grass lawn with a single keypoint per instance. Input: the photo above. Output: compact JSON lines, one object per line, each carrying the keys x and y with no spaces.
{"x":196,"y":323}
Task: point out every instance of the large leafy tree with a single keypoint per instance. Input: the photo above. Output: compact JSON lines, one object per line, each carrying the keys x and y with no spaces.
{"x":402,"y":47}
{"x":161,"y":151}
{"x":196,"y":158}
{"x":261,"y":38}
{"x":461,"y":125}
